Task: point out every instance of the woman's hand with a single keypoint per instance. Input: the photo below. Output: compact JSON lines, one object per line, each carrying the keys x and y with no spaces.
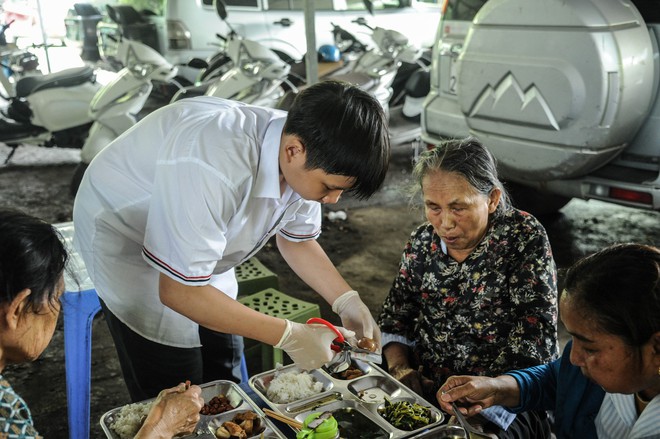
{"x":175,"y":411}
{"x":412,"y":378}
{"x":397,"y":356}
{"x":475,"y":393}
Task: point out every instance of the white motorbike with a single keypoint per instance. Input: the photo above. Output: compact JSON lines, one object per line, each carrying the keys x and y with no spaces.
{"x":375,"y":69}
{"x":115,"y":106}
{"x":256,"y":75}
{"x":49,"y":110}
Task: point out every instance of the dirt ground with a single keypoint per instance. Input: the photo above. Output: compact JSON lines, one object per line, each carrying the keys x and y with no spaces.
{"x":366,"y":249}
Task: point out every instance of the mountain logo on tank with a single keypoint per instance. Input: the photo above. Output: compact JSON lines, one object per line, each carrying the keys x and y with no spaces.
{"x":508,"y":102}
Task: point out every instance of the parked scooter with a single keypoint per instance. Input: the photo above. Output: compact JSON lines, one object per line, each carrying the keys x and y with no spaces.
{"x":411,"y":83}
{"x":116,"y":106}
{"x":49,"y":110}
{"x":257,"y":74}
{"x":256,"y":77}
{"x":376,"y":70}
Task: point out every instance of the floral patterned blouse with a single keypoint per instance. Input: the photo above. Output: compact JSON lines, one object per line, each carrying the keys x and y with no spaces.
{"x":15,"y":418}
{"x":493,"y":312}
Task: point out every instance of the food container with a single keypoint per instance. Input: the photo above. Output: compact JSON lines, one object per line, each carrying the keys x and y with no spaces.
{"x":208,"y":423}
{"x":356,"y":403}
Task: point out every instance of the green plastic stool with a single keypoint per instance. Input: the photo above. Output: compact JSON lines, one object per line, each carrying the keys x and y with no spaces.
{"x":274,"y":303}
{"x":253,"y":276}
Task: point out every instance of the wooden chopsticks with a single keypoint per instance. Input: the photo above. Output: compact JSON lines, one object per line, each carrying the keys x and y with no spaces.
{"x":288,"y":421}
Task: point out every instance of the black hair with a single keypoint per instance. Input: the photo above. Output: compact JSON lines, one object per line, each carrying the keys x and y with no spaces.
{"x":467,"y":157}
{"x":619,"y":288}
{"x":33,"y":256}
{"x":344,"y":131}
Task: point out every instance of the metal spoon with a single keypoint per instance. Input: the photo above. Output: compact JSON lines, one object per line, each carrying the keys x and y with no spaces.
{"x":340,"y":362}
{"x":472,"y":432}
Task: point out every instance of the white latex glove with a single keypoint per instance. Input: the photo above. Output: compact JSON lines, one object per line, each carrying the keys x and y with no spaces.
{"x":356,"y":316}
{"x":309,"y":345}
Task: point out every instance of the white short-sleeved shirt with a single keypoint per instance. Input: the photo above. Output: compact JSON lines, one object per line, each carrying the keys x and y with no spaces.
{"x":191,"y":191}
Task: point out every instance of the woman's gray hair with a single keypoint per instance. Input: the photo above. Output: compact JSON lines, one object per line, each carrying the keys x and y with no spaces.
{"x":467,"y":157}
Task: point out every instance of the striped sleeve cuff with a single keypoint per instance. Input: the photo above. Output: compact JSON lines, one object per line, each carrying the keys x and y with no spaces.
{"x":167,"y":269}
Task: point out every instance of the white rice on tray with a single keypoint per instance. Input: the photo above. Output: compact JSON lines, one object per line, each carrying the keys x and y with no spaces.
{"x":128,"y":420}
{"x":292,"y":386}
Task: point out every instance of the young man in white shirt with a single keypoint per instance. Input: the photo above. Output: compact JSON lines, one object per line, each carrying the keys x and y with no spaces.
{"x":167,"y":210}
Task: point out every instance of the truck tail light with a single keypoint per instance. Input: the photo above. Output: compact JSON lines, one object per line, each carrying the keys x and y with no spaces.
{"x":630,"y":195}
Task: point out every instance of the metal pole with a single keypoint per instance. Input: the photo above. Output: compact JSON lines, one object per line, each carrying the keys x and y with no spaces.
{"x":43,"y":34}
{"x":311,"y":60}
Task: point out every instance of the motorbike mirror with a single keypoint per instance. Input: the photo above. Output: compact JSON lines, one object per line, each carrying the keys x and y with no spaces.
{"x":221,"y":9}
{"x":369,"y":5}
{"x":362,"y":22}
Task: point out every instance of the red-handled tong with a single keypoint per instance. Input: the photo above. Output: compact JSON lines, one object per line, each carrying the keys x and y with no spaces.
{"x":342,"y":360}
{"x":345,"y":351}
{"x":339,"y":344}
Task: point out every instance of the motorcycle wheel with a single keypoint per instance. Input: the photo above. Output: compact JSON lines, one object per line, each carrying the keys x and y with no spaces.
{"x":77,"y":178}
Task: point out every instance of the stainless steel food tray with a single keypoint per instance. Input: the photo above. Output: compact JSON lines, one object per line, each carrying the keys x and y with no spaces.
{"x":239,"y":400}
{"x":355,"y":401}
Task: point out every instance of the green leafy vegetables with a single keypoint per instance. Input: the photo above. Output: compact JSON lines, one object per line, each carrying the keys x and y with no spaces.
{"x":406,"y":415}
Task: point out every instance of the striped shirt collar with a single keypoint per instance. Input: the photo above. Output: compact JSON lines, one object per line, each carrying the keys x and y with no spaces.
{"x":617,"y":418}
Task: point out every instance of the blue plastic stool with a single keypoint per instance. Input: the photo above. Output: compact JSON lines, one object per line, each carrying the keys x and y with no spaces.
{"x":79,"y":309}
{"x":79,"y":306}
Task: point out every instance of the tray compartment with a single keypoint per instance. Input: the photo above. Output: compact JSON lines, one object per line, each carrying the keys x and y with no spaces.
{"x":356,"y":366}
{"x":109,"y":418}
{"x":226,"y":388}
{"x":218,"y":420}
{"x":355,"y":422}
{"x":374,"y":389}
{"x":436,"y":417}
{"x":313,"y":404}
{"x":261,"y":382}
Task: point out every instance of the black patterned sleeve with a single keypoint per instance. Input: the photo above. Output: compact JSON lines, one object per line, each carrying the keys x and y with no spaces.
{"x":533,"y":291}
{"x":401,"y":307}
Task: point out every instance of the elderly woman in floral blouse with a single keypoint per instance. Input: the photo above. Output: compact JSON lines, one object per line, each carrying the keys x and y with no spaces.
{"x":476,"y":291}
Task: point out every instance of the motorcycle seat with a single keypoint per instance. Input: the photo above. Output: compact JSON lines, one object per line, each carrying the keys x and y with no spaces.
{"x":66,"y":78}
{"x":362,"y":80}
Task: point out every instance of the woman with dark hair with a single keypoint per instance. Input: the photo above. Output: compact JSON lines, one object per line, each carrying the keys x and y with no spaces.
{"x":476,"y":289}
{"x":607,"y":382}
{"x":32,"y":263}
